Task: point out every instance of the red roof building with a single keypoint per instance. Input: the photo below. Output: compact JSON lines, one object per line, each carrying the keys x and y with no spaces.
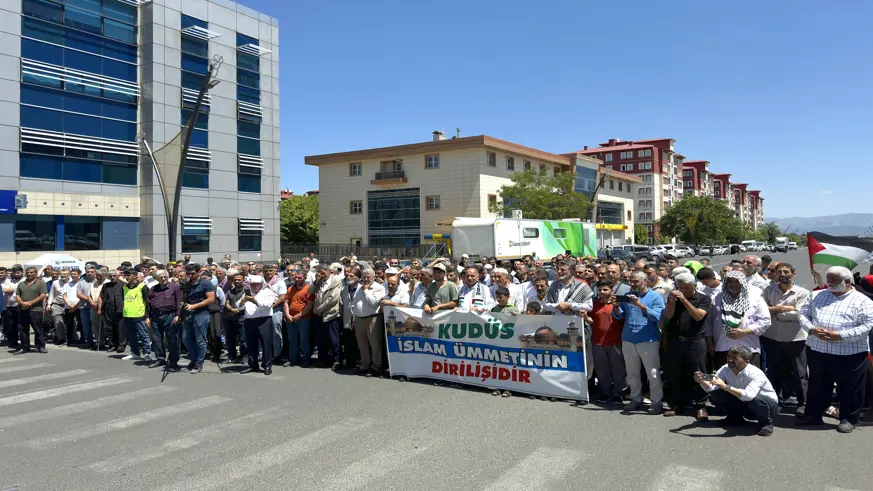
{"x":696,"y":178}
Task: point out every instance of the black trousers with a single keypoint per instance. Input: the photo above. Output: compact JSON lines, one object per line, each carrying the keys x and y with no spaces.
{"x":328,"y":340}
{"x":27,"y":320}
{"x":10,"y":326}
{"x":114,"y":330}
{"x":849,"y":372}
{"x":259,"y":333}
{"x":786,"y":368}
{"x":213,"y":335}
{"x":163,"y":327}
{"x":71,"y":320}
{"x":349,"y":342}
{"x":760,"y":408}
{"x":234,"y":331}
{"x":720,"y":360}
{"x":683,"y":358}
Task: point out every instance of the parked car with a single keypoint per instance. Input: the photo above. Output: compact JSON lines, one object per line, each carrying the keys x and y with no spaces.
{"x":658,"y":250}
{"x":642,"y":252}
{"x":615,"y":253}
{"x":706,"y":250}
{"x":684,"y":250}
{"x":792,"y":246}
{"x":720,"y":250}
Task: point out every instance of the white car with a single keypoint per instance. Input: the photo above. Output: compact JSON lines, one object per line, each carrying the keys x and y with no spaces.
{"x":720,"y":250}
{"x":707,"y":250}
{"x":792,"y":246}
{"x":685,"y":251}
{"x":658,"y":251}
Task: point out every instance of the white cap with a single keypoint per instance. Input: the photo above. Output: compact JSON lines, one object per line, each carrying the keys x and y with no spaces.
{"x":465,"y":256}
{"x":392,"y":271}
{"x":488,"y":266}
{"x":314,"y":262}
{"x":256,"y":278}
{"x":439,"y":266}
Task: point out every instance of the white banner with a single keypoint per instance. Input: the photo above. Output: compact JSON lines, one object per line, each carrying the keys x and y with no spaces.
{"x":533,"y":354}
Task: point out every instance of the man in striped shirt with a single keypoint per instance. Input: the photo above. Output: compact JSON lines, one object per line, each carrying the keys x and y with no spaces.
{"x":838,"y":321}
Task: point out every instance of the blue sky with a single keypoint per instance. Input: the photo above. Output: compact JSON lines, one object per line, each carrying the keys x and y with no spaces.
{"x":777,"y":93}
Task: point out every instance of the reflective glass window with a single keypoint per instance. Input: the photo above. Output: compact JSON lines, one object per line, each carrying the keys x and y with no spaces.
{"x":248,"y":146}
{"x":82,"y":20}
{"x":83,"y":61}
{"x":84,"y":41}
{"x":43,"y":10}
{"x":247,"y":78}
{"x":88,"y":5}
{"x":82,"y":170}
{"x":82,"y":125}
{"x":195,"y":64}
{"x":194,"y":46}
{"x":242,"y":40}
{"x":192,"y":81}
{"x":41,"y":96}
{"x":192,"y":243}
{"x":120,"y":51}
{"x":81,"y":233}
{"x":35,"y":50}
{"x":251,"y":130}
{"x":118,"y":30}
{"x":248,"y":62}
{"x":202,"y":119}
{"x":43,"y":119}
{"x":41,"y":166}
{"x":200,"y":138}
{"x":119,"y":174}
{"x":248,"y":94}
{"x":42,"y":30}
{"x":35,"y":233}
{"x":117,"y":69}
{"x":119,"y":11}
{"x":119,"y":110}
{"x":188,"y":21}
{"x":82,"y":104}
{"x":247,"y":183}
{"x":195,"y":178}
{"x":119,"y":96}
{"x":250,"y":240}
{"x":119,"y":130}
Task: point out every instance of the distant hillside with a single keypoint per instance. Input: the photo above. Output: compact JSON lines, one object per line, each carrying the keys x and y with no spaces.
{"x":846,"y":224}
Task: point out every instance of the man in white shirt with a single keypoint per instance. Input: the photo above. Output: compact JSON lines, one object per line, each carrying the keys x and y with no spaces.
{"x":418,"y":289}
{"x":474,"y":296}
{"x":839,"y":321}
{"x":742,"y":390}
{"x":500,"y":278}
{"x":10,"y":316}
{"x":752,"y":270}
{"x":369,"y":330}
{"x":538,"y":291}
{"x":708,"y":283}
{"x":396,"y":295}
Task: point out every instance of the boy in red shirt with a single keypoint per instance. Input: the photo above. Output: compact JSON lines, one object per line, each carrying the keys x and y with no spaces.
{"x":606,"y":345}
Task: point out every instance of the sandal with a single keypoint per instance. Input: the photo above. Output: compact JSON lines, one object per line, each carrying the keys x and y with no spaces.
{"x":506,"y":393}
{"x":495,"y":393}
{"x":669,"y":412}
{"x":832,"y":412}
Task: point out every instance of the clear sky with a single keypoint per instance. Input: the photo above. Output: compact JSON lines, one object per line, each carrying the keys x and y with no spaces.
{"x":778,"y":93}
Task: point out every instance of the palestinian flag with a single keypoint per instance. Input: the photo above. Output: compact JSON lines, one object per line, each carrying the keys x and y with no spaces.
{"x":839,"y":251}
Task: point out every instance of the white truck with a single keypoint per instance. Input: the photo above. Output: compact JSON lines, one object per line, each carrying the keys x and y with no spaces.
{"x":781,"y":244}
{"x":510,"y":238}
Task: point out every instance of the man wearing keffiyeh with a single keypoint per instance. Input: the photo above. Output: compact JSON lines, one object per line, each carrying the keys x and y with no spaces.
{"x":740,"y":315}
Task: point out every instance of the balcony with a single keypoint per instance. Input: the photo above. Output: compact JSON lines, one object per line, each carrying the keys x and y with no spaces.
{"x":390,"y":177}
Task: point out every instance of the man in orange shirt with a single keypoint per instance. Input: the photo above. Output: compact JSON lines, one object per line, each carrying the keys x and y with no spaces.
{"x":298,"y":314}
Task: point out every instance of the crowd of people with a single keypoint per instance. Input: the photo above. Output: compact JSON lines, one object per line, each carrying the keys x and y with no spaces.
{"x":744,"y":338}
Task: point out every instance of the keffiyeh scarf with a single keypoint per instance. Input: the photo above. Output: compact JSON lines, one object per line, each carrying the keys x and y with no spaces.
{"x":733,"y":308}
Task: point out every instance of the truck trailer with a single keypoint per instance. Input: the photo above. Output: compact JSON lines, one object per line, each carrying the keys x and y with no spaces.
{"x":510,"y":238}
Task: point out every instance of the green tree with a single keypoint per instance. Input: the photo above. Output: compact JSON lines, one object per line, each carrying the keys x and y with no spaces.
{"x":298,"y":218}
{"x":542,"y":196}
{"x":699,"y":220}
{"x":770,"y":231}
{"x":641,"y":234}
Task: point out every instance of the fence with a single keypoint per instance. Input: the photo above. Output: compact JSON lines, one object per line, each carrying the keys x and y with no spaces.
{"x":333,"y":252}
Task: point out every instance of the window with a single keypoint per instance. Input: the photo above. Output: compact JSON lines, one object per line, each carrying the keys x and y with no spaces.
{"x":611,"y":185}
{"x":356,"y":207}
{"x":627,"y":155}
{"x":81,"y":233}
{"x":510,"y":163}
{"x":394,"y":217}
{"x":530,"y":233}
{"x":433,"y":202}
{"x":527,"y":165}
{"x":35,"y":233}
{"x":248,"y":179}
{"x":432,"y":162}
{"x":492,"y":159}
{"x":620,"y":184}
{"x":248,"y":94}
{"x":247,"y":78}
{"x":196,"y":174}
{"x":492,"y":201}
{"x":557,"y":170}
{"x":644,"y":153}
{"x":73,"y":169}
{"x":196,"y":64}
{"x":542,"y":167}
{"x":250,"y":130}
{"x":559,"y":233}
{"x":251,"y":232}
{"x":195,"y":46}
{"x":248,"y":62}
{"x":247,"y":146}
{"x":355,"y":169}
{"x":608,"y":157}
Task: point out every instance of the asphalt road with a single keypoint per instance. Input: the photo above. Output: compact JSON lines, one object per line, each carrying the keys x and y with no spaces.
{"x":81,"y":420}
{"x":799,"y":259}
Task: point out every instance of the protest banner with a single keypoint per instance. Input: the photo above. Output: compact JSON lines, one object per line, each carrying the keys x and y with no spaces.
{"x":542,"y":355}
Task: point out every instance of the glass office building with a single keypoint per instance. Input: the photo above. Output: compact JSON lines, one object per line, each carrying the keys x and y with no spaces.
{"x":81,"y":79}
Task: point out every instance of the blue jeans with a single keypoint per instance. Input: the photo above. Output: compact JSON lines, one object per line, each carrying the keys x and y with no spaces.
{"x":137,"y":336}
{"x":298,"y":341}
{"x":87,"y":329}
{"x":194,"y":336}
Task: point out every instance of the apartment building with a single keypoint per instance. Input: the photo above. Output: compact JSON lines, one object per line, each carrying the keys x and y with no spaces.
{"x":696,"y":178}
{"x":395,"y":196}
{"x":722,"y":189}
{"x":658,"y":166}
{"x":614,"y":193}
{"x":742,"y":203}
{"x":81,"y":81}
{"x":757,"y":211}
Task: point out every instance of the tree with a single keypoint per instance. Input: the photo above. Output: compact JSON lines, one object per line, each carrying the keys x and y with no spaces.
{"x":770,"y":231}
{"x":699,"y":220}
{"x":641,"y":234}
{"x":298,"y":216}
{"x":541,"y":196}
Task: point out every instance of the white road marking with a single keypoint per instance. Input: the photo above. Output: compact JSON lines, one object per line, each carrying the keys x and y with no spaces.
{"x":59,"y":391}
{"x":235,"y":470}
{"x":40,"y":378}
{"x":24,"y":368}
{"x":542,"y":466}
{"x":186,"y":441}
{"x":361,"y":473}
{"x":680,"y":477}
{"x":79,"y":407}
{"x":128,"y":422}
{"x":9,"y":360}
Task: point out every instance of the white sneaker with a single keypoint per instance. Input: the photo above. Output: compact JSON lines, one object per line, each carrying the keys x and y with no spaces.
{"x":148,"y":358}
{"x":132,"y":357}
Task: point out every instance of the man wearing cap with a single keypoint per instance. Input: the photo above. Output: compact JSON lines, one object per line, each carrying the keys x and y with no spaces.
{"x":198,"y":294}
{"x":11,"y":316}
{"x":369,"y":332}
{"x":440,"y":294}
{"x":258,"y":324}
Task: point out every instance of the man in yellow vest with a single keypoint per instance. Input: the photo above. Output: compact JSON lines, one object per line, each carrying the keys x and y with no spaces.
{"x":136,"y":295}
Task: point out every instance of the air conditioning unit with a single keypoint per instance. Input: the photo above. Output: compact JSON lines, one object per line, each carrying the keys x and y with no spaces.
{"x":517,"y":214}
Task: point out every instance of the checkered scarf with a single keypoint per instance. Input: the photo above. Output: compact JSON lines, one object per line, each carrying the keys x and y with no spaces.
{"x":733,"y":308}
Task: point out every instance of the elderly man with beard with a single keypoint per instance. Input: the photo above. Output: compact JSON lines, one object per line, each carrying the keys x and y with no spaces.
{"x":369,"y":332}
{"x":473,"y":295}
{"x":234,"y":318}
{"x":838,"y":321}
{"x":640,"y":341}
{"x":568,"y":295}
{"x":500,"y":278}
{"x":538,"y":292}
{"x":328,"y":290}
{"x":785,"y":342}
{"x":654,"y":282}
{"x":136,"y":307}
{"x":259,"y":301}
{"x":739,"y":317}
{"x":164,"y":311}
{"x":752,"y":268}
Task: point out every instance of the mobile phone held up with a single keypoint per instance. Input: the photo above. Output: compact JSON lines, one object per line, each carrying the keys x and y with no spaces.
{"x":623,"y":298}
{"x":706,"y":376}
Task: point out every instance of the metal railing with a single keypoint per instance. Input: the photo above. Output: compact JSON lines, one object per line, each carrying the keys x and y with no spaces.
{"x":393,"y":174}
{"x":333,"y":252}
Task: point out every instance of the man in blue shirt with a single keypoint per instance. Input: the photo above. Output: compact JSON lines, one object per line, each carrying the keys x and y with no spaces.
{"x":641,"y":341}
{"x":199,"y":293}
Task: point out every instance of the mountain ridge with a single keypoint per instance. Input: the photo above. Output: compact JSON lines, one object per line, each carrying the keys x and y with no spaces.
{"x":841,"y":224}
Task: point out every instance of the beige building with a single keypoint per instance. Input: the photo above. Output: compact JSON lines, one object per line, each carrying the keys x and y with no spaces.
{"x":399,"y":196}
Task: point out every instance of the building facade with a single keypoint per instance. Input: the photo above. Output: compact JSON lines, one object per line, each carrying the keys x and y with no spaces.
{"x":658,"y":166}
{"x":396,"y":196}
{"x":742,"y":203}
{"x":81,"y":81}
{"x":722,"y":189}
{"x":696,"y":178}
{"x":615,"y":197}
{"x":757,"y":211}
